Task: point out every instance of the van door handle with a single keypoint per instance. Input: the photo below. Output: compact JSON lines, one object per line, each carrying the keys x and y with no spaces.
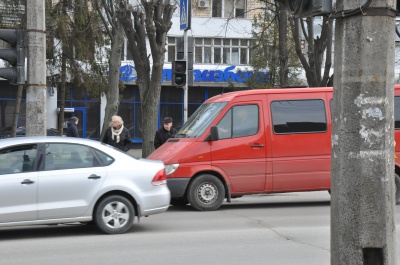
{"x":257,"y":146}
{"x":93,"y":176}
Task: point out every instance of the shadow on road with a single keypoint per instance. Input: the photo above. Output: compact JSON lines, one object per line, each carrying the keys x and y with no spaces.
{"x":48,"y":231}
{"x":234,"y":205}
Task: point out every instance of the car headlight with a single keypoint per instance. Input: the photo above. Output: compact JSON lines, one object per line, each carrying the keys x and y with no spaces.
{"x":169,"y":169}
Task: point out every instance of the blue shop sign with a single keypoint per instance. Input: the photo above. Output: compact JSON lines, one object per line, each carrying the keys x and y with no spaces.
{"x":128,"y":74}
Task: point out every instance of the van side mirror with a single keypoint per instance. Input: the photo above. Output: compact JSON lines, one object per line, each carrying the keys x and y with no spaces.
{"x":214,"y":133}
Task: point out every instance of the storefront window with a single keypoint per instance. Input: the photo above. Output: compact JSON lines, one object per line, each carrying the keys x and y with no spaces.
{"x":126,"y":112}
{"x":171,"y":94}
{"x":93,"y":120}
{"x":127,"y":93}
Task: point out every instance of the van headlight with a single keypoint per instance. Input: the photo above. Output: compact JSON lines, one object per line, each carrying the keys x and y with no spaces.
{"x":169,"y":169}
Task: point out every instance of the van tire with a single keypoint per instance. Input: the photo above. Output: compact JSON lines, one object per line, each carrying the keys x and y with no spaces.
{"x":397,"y":194}
{"x":206,"y":193}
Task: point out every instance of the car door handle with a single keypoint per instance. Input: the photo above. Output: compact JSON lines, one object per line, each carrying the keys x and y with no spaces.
{"x":93,"y":176}
{"x":257,"y":146}
{"x":27,"y":181}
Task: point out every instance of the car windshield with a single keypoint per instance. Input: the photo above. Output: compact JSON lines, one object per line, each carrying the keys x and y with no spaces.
{"x":200,"y":120}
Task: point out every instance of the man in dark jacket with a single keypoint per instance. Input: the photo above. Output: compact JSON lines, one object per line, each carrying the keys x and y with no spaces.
{"x":72,"y":129}
{"x":164,"y":133}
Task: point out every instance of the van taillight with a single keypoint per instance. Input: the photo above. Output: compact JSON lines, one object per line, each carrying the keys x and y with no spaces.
{"x":160,"y":178}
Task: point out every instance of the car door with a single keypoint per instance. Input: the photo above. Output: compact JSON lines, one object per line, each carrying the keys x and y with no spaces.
{"x":241,"y":149}
{"x":18,"y":183}
{"x":69,"y":182}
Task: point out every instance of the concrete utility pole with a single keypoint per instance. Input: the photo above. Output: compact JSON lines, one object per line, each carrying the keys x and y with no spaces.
{"x":36,"y":110}
{"x":363,"y":185}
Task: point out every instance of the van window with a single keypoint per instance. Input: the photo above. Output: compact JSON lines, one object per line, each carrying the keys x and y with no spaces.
{"x":298,"y":116}
{"x":397,"y":112}
{"x":200,"y":120}
{"x":239,"y":121}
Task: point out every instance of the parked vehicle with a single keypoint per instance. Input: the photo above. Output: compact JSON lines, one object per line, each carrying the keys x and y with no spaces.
{"x":55,"y":180}
{"x":255,"y":141}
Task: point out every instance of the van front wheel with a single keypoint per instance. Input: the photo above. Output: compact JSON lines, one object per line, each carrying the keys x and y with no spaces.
{"x":206,"y":193}
{"x":397,"y":194}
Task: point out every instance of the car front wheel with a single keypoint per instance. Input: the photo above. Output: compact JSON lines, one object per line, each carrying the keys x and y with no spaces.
{"x":206,"y":193}
{"x":114,"y":215}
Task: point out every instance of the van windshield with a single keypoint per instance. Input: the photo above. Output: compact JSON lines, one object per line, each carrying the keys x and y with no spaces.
{"x":200,"y":120}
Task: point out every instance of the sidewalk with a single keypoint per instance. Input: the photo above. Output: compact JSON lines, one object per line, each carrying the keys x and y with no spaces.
{"x":136,"y":151}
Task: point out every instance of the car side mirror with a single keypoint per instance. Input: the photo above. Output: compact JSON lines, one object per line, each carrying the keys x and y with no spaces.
{"x":214,"y":133}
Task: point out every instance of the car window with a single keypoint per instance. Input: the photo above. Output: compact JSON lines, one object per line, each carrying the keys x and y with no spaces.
{"x":18,"y":159}
{"x":68,"y":156}
{"x":104,"y":158}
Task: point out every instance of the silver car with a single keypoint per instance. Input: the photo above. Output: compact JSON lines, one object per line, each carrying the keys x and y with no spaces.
{"x":55,"y":180}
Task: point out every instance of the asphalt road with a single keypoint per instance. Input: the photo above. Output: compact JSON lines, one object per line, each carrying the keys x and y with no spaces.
{"x":259,"y":229}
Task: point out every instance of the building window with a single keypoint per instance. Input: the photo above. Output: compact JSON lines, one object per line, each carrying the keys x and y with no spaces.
{"x":228,"y":8}
{"x":226,"y":51}
{"x":171,"y":49}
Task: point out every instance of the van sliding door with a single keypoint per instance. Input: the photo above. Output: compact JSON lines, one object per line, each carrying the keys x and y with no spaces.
{"x":300,"y":136}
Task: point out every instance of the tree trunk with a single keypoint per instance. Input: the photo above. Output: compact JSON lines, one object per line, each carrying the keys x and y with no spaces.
{"x":112,"y":94}
{"x":153,"y":24}
{"x":60,"y":125}
{"x":283,"y":51}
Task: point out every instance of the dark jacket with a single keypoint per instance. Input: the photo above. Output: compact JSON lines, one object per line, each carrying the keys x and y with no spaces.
{"x":124,"y":139}
{"x":72,"y":130}
{"x":162,"y":136}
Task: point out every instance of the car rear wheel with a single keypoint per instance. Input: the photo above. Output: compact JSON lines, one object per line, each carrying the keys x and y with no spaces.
{"x":114,"y":215}
{"x":206,"y":193}
{"x":397,"y":194}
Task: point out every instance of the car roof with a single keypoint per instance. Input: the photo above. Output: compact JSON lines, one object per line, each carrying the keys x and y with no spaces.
{"x":47,"y":139}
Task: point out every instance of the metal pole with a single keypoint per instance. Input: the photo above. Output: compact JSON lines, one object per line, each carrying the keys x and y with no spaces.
{"x":186,"y":87}
{"x":36,"y":94}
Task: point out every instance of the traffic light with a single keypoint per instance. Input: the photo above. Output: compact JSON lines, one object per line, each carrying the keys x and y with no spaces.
{"x":179,"y":72}
{"x":15,"y":55}
{"x":307,"y":8}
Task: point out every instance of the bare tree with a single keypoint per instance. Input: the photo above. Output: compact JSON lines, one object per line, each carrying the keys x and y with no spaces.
{"x":113,"y":28}
{"x":149,"y":22}
{"x":274,"y":49}
{"x":317,"y":46}
{"x":309,"y":47}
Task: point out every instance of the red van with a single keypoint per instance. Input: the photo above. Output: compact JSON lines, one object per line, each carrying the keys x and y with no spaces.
{"x":255,"y":141}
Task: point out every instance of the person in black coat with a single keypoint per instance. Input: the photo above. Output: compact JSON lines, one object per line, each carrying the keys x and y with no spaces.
{"x":72,"y":129}
{"x":164,"y":133}
{"x":117,"y":135}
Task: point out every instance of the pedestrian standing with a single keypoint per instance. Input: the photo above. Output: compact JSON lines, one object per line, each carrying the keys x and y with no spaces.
{"x":72,"y":129}
{"x":164,"y":133}
{"x":117,"y":135}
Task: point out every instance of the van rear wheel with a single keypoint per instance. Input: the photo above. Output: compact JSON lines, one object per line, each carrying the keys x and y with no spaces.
{"x":397,"y":194}
{"x":206,"y":193}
